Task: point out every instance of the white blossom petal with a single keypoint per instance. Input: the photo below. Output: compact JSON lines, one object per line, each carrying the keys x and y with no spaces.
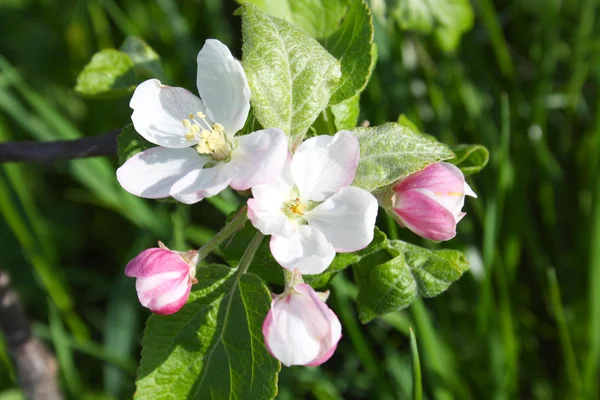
{"x":288,"y":330}
{"x":347,"y":219}
{"x":259,"y":158}
{"x":306,"y":250}
{"x":159,"y":111}
{"x":202,"y":183}
{"x":324,"y":164}
{"x":153,"y":172}
{"x":223,"y":86}
{"x":269,"y":221}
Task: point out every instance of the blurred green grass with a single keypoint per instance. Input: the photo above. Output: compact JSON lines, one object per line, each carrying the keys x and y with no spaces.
{"x":524,"y":82}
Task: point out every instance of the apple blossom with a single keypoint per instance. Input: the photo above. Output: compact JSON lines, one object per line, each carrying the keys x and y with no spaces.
{"x":198,"y":154}
{"x":164,"y":278}
{"x":310,"y":210}
{"x":429,"y":202}
{"x":300,"y":329}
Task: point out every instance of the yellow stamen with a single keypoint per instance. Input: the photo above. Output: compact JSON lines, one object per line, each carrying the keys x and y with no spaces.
{"x":297,"y":207}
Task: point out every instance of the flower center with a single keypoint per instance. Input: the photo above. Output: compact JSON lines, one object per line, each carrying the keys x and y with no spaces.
{"x":294,"y":209}
{"x":212,"y":139}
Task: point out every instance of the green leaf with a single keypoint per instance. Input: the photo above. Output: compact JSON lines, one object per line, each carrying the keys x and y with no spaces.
{"x":213,"y":347}
{"x":109,"y":74}
{"x":290,"y":74}
{"x":447,"y":20}
{"x":391,"y":151}
{"x":318,"y":18}
{"x":470,"y":158}
{"x":352,"y":44}
{"x":129,"y":143}
{"x":345,"y":114}
{"x":391,"y":279}
{"x":146,"y":61}
{"x":264,"y":265}
{"x":344,"y":260}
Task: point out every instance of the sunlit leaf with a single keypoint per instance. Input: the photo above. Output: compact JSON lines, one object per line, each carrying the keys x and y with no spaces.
{"x":213,"y":347}
{"x":290,"y":74}
{"x":391,"y":151}
{"x":392,"y":279}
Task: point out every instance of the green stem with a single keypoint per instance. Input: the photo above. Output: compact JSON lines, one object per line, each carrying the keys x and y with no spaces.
{"x":229,"y":229}
{"x":249,"y":253}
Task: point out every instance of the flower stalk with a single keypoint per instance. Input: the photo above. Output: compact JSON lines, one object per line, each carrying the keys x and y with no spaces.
{"x":248,"y":255}
{"x":229,"y":229}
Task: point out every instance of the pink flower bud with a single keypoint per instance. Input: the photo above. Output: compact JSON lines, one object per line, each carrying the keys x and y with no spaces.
{"x":300,"y":329}
{"x":429,"y":202}
{"x":164,"y":278}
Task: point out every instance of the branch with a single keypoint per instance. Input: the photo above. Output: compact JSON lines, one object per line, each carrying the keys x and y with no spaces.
{"x":35,"y":364}
{"x":100,"y":145}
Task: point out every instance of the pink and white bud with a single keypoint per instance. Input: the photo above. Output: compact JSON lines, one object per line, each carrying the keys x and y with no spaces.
{"x":300,"y":329}
{"x":164,"y":278}
{"x":429,"y":202}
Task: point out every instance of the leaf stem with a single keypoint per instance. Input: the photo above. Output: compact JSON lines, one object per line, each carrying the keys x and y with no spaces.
{"x":249,"y":253}
{"x":229,"y":229}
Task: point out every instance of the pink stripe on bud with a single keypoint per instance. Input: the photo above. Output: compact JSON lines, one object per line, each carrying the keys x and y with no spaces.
{"x":164,"y":278}
{"x":429,"y":202}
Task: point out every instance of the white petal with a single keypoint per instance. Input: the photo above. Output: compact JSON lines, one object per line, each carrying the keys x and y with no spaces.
{"x":453,"y":203}
{"x":223,"y":86}
{"x":347,"y":219}
{"x":151,"y":173}
{"x":324,"y":164}
{"x":159,"y":111}
{"x":202,"y":183}
{"x":269,"y":221}
{"x":306,"y":250}
{"x":265,"y":209}
{"x":469,"y":191}
{"x":288,"y":336}
{"x":259,"y":157}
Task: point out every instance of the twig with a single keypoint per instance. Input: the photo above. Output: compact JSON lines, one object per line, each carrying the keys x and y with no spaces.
{"x":35,"y":364}
{"x":100,"y":145}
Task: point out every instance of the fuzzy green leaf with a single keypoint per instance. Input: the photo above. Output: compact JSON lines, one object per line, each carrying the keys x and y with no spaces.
{"x":352,"y":44}
{"x":290,"y":74}
{"x":392,"y":279}
{"x":129,"y":143}
{"x":391,"y":151}
{"x":470,"y":158}
{"x":108,"y":74}
{"x":318,"y":18}
{"x":213,"y":347}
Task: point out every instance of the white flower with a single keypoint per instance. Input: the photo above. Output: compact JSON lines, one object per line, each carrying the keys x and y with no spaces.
{"x":198,"y":154}
{"x":310,"y":210}
{"x":300,"y":329}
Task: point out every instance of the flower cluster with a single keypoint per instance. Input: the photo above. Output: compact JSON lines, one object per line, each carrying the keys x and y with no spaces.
{"x":304,"y":200}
